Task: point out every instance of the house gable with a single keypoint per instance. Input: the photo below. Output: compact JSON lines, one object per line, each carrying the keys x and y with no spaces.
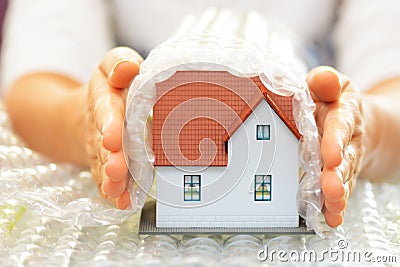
{"x":228,"y":192}
{"x":197,"y":111}
{"x":282,"y":105}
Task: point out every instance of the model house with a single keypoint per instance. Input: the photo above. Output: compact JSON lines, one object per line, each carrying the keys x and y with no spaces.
{"x":225,"y":152}
{"x":226,"y":101}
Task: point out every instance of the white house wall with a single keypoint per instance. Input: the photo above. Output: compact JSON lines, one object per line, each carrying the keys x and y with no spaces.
{"x":247,"y":157}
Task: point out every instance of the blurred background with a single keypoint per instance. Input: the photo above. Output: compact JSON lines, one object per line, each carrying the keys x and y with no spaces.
{"x":3,"y":7}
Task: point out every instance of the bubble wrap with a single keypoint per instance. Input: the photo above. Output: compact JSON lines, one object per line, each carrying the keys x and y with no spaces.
{"x":244,"y":45}
{"x":56,"y":191}
{"x":206,"y":43}
{"x":51,"y":215}
{"x":32,"y":233}
{"x":372,"y":224}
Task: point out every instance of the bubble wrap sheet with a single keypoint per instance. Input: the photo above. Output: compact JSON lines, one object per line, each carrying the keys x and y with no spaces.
{"x":51,"y":215}
{"x":372,"y":224}
{"x":30,"y":236}
{"x":241,"y":44}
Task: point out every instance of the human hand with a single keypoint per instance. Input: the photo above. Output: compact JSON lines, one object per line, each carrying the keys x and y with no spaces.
{"x":340,"y":123}
{"x":106,"y":99}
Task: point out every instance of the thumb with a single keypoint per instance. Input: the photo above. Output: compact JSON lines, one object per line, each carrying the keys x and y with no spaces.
{"x":324,"y":83}
{"x":120,"y":65}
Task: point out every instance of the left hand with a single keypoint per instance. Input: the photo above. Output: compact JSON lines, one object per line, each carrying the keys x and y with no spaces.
{"x":102,"y":127}
{"x":339,"y":117}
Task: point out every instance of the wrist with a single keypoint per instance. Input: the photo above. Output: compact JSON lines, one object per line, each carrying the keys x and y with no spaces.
{"x":372,"y":121}
{"x":381,"y":136}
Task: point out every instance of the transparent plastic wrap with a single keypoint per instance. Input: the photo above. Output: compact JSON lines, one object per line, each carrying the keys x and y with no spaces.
{"x":244,"y":45}
{"x":56,"y":191}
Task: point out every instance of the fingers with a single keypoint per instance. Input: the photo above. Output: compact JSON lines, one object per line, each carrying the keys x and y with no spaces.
{"x":123,"y":201}
{"x":108,"y":108}
{"x":331,"y":145}
{"x":120,"y":65}
{"x":342,"y":121}
{"x":332,"y":185}
{"x":337,"y":132}
{"x":112,"y":133}
{"x":116,"y":71}
{"x":338,"y":115}
{"x":337,"y":183}
{"x":326,"y":88}
{"x":336,"y":208}
{"x":106,"y":105}
{"x":123,"y":74}
{"x":324,"y":83}
{"x":116,"y":167}
{"x":333,"y":220}
{"x":113,"y":189}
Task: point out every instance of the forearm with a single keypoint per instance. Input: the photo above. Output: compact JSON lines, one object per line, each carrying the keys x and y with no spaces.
{"x":46,"y":111}
{"x":382,"y":120}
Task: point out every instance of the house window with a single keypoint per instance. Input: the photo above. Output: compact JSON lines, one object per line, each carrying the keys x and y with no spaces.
{"x":263,"y":132}
{"x":191,"y":187}
{"x":262,"y":187}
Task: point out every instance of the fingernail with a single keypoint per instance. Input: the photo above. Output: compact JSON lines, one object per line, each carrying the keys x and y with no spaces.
{"x":118,"y":64}
{"x":340,"y":77}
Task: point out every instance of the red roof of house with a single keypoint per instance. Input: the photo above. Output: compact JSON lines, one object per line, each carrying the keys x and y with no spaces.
{"x":196,"y":112}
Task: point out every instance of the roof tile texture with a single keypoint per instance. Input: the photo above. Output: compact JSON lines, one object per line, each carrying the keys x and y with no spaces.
{"x":195,"y":112}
